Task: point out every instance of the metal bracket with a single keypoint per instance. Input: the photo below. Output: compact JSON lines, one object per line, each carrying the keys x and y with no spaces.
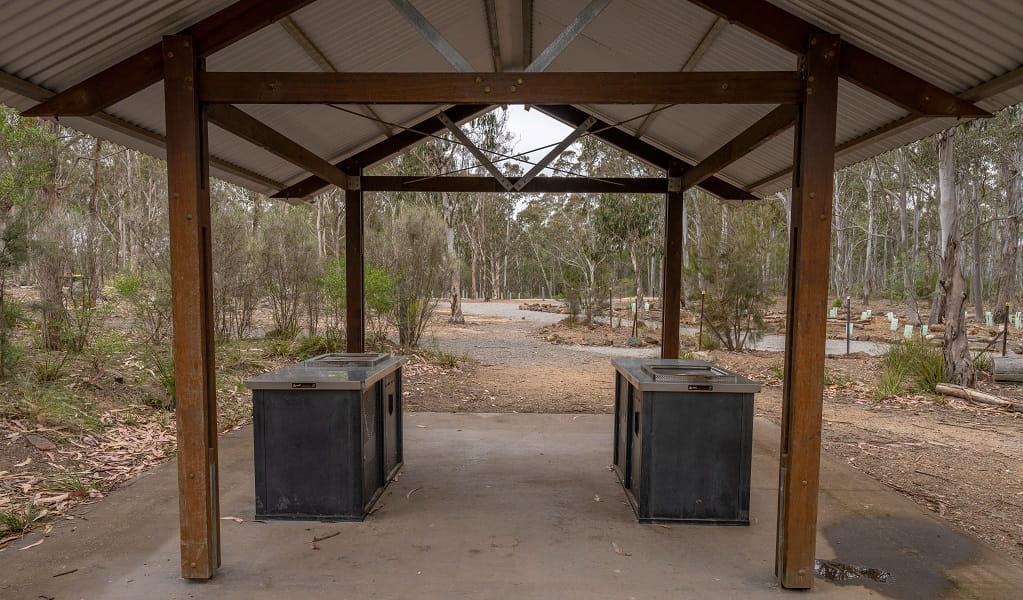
{"x":674,"y":184}
{"x":476,"y":152}
{"x":354,"y":183}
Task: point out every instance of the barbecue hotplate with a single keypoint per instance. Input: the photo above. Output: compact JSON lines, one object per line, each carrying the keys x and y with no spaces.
{"x":348,"y":359}
{"x":684,"y":372}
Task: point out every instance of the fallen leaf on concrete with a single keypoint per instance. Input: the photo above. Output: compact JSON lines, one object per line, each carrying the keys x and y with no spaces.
{"x":66,"y":573}
{"x":596,"y":497}
{"x":618,"y":549}
{"x":33,"y":545}
{"x":422,"y":426}
{"x":412,"y":491}
{"x":235,"y":519}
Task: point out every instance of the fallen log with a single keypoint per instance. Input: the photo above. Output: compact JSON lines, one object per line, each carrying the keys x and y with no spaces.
{"x":976,"y":396}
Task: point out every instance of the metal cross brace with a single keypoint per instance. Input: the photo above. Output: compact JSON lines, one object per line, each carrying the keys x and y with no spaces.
{"x":417,"y":20}
{"x":554,"y":152}
{"x":567,"y":36}
{"x":475,"y":151}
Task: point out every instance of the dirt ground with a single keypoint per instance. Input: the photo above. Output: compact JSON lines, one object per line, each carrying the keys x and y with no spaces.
{"x":956,"y":459}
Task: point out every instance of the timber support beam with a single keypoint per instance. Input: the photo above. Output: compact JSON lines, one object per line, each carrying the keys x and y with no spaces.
{"x":671,"y":288}
{"x":192,"y":309}
{"x":732,"y":87}
{"x":387,"y":148}
{"x":145,"y":68}
{"x":355,"y":296}
{"x":867,"y":70}
{"x":806,"y":334}
{"x":241,"y":124}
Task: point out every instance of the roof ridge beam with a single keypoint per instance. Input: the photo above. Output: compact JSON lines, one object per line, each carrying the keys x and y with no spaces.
{"x":855,"y":64}
{"x":756,"y":135}
{"x":145,"y":68}
{"x":238,"y":122}
{"x":387,"y":148}
{"x":642,"y":150}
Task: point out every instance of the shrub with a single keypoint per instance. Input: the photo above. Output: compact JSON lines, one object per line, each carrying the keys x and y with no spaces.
{"x":148,"y":292}
{"x":912,"y":365}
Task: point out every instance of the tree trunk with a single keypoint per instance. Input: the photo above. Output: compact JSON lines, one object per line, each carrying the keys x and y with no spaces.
{"x":977,"y":282}
{"x":955,"y":347}
{"x":868,"y":260}
{"x":455,"y":265}
{"x":639,"y":279}
{"x":908,"y":259}
{"x":1010,"y":179}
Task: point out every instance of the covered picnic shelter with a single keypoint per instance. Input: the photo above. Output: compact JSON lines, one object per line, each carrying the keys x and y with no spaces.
{"x":740,"y":98}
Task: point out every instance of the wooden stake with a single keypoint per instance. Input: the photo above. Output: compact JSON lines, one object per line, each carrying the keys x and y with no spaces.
{"x":813,"y":185}
{"x":192,"y":306}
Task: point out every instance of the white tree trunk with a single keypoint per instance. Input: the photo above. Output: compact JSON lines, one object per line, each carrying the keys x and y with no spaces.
{"x":958,"y":361}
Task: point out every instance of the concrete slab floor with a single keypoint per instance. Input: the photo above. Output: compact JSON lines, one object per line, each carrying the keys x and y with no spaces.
{"x":502,"y":506}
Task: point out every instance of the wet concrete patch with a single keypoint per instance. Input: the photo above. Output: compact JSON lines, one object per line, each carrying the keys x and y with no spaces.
{"x":900,"y":558}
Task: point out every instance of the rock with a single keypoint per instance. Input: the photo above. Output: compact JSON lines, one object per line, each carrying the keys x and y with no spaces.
{"x":634,"y":342}
{"x":40,"y":443}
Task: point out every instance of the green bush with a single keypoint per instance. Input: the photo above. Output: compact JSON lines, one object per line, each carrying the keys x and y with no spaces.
{"x":19,"y":521}
{"x":314,"y":345}
{"x":911,"y":366}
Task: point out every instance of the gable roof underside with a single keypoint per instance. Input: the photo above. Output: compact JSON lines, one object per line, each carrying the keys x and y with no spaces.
{"x":972,"y":49}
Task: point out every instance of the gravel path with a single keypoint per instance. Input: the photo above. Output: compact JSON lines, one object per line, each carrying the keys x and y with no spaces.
{"x":770,"y":342}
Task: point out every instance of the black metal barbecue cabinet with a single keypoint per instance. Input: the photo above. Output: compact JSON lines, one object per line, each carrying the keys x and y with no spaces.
{"x":683,"y":440}
{"x":327,"y":436}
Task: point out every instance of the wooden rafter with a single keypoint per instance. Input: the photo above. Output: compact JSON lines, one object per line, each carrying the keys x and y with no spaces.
{"x":772,"y":124}
{"x":247,"y":127}
{"x":313,"y":51}
{"x":978,"y":93}
{"x":41,"y":94}
{"x":648,"y":153}
{"x":857,"y":65}
{"x":537,"y":185}
{"x":388,"y":148}
{"x":732,"y":87}
{"x":146,"y":67}
{"x":695,"y":56}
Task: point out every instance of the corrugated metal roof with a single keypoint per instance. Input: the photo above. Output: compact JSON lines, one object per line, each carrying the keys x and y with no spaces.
{"x":953,"y":44}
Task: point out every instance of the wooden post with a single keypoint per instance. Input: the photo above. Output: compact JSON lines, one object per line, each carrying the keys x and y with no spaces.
{"x":810,"y":237}
{"x":671,"y":289}
{"x":192,"y":299}
{"x":355,"y":297}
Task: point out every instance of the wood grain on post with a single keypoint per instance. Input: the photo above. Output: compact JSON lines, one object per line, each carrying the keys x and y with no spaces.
{"x":355,"y":297}
{"x":192,"y":306}
{"x":671,"y":290}
{"x":803,"y":395}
